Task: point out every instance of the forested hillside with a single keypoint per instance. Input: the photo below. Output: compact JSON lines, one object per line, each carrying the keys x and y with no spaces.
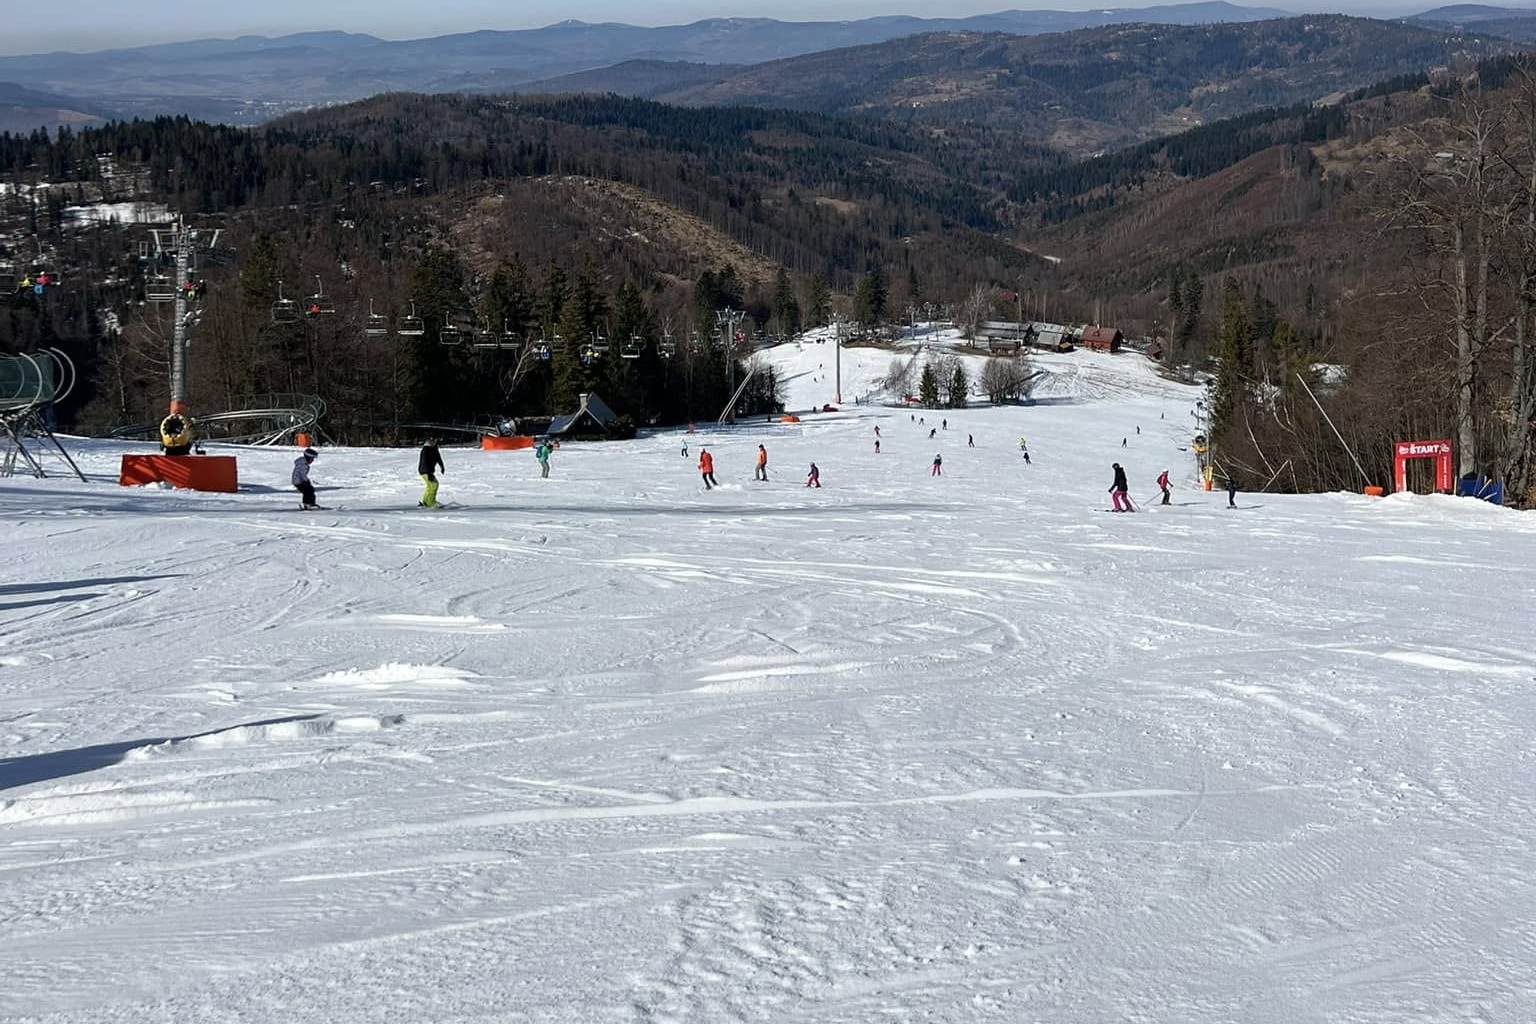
{"x":641,"y":205}
{"x":1098,"y":88}
{"x":571,"y":220}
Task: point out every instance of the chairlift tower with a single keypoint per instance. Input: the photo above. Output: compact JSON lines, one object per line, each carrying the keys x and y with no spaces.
{"x":183,"y":245}
{"x":180,"y":244}
{"x":728,"y":320}
{"x":839,"y":323}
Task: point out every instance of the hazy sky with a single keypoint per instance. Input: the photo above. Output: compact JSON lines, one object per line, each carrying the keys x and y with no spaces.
{"x":32,"y":27}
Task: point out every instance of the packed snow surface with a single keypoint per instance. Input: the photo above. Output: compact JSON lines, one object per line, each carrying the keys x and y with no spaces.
{"x":611,"y":748}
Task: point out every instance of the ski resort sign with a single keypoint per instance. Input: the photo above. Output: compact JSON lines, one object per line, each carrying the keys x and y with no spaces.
{"x":1440,"y":451}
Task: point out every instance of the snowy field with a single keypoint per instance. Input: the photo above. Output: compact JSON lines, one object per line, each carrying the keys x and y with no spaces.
{"x":609,"y":748}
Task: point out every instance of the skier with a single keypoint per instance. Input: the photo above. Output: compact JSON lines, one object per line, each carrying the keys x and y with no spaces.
{"x":762,"y":464}
{"x":938,"y":465}
{"x":707,"y":468}
{"x":945,"y":424}
{"x":1120,"y":491}
{"x":1231,"y":490}
{"x":1124,"y":441}
{"x":922,"y":422}
{"x":877,"y":446}
{"x":933,"y":431}
{"x":427,"y":465}
{"x":1026,"y":456}
{"x":970,"y":440}
{"x":877,"y":430}
{"x":814,"y":479}
{"x":301,"y":478}
{"x":1138,"y":430}
{"x":542,"y":452}
{"x":1023,"y":446}
{"x":685,"y":449}
{"x":1162,"y":482}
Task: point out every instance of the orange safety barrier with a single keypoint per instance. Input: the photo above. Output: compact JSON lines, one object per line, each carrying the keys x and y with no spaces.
{"x":504,"y":444}
{"x":789,"y":419}
{"x":1375,"y":492}
{"x":188,"y":472}
{"x":301,"y":440}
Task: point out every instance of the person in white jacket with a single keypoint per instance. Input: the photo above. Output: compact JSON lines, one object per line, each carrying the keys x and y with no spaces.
{"x":301,"y":478}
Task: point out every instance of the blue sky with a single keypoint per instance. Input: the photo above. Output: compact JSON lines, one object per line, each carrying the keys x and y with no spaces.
{"x":97,"y":24}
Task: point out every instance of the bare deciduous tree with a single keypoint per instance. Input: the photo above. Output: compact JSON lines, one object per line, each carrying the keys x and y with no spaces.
{"x":1006,"y":378}
{"x":973,"y":311}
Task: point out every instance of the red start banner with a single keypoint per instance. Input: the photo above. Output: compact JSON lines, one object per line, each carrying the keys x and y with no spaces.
{"x":1440,"y":451}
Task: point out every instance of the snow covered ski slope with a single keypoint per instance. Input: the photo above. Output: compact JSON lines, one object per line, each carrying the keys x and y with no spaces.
{"x":611,"y":748}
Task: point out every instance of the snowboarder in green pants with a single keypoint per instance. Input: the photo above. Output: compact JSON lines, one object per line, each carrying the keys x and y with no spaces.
{"x":428,"y":466}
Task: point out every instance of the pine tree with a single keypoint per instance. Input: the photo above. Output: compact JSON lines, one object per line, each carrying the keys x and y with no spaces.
{"x":928,"y":386}
{"x":441,"y":376}
{"x":786,"y":308}
{"x":959,"y":385}
{"x":1234,"y":363}
{"x":1290,"y":356}
{"x":819,"y":300}
{"x":551,"y":304}
{"x":585,"y":311}
{"x":1187,"y":326}
{"x":509,"y":303}
{"x":869,"y":299}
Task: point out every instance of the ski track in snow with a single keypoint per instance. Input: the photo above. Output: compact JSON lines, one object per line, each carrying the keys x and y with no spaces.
{"x":609,"y":748}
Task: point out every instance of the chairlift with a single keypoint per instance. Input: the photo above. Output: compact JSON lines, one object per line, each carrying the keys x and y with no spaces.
{"x":510,"y":341}
{"x":412,"y":326}
{"x":159,"y":288}
{"x":284,"y":311}
{"x":668,"y":347}
{"x":632,"y":348}
{"x":450,"y":334}
{"x":318,"y":305}
{"x":485,"y":338}
{"x":542,"y":350}
{"x":599,"y":343}
{"x":377,"y":324}
{"x":589,"y":354}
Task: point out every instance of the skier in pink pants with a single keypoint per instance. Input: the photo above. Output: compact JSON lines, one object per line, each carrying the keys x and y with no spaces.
{"x":1120,"y":491}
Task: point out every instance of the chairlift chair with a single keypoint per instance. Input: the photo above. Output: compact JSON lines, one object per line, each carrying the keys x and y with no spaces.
{"x":632,"y":348}
{"x":317,"y":304}
{"x":600,"y":343}
{"x":159,"y":288}
{"x":412,"y":326}
{"x":377,"y":324}
{"x":284,"y":310}
{"x":510,"y":342}
{"x":450,"y":334}
{"x":589,"y":355}
{"x":542,"y":350}
{"x":668,"y":347}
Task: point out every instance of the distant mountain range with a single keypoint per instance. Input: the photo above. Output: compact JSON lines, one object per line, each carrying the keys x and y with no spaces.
{"x":24,"y":110}
{"x":1514,"y":23}
{"x":248,"y":79}
{"x":1077,"y":92}
{"x":1095,"y":82}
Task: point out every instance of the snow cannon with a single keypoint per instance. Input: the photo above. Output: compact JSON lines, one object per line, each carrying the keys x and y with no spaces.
{"x":176,"y":433}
